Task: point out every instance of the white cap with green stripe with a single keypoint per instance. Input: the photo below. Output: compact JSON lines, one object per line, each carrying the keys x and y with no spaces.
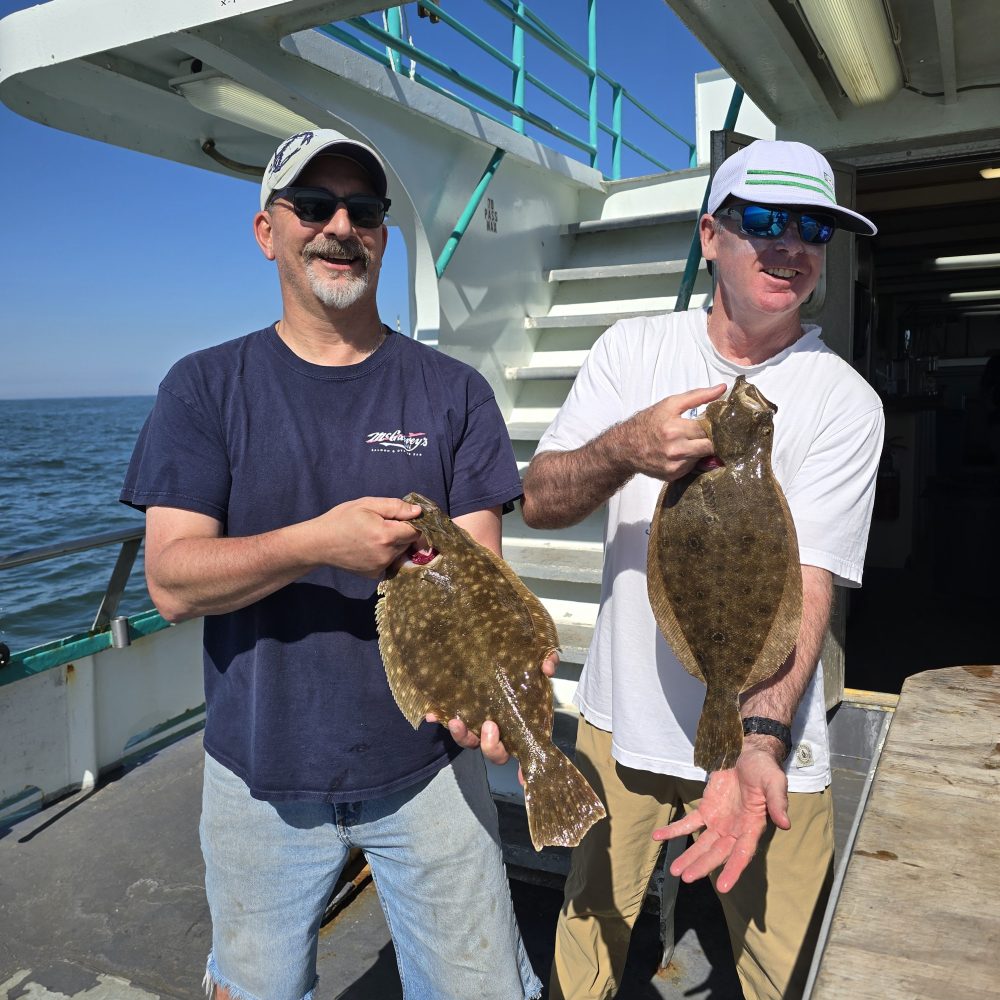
{"x":783,"y":173}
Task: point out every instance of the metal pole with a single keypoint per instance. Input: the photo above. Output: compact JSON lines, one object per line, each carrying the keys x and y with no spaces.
{"x":694,"y":254}
{"x":394,"y":25}
{"x":616,"y":132}
{"x":466,"y":217}
{"x":517,"y":54}
{"x":592,"y":63}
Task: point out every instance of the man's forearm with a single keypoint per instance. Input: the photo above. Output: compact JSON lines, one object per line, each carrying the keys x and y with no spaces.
{"x":211,"y":576}
{"x":562,"y":487}
{"x":192,"y":570}
{"x":778,"y":697}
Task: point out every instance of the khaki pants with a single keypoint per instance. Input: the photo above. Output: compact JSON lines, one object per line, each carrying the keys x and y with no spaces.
{"x":773,"y":912}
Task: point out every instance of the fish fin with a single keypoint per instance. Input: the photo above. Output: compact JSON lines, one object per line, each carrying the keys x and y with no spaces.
{"x":666,"y":620}
{"x":411,"y":702}
{"x":545,"y":629}
{"x":720,"y":731}
{"x":784,"y":631}
{"x":559,"y":801}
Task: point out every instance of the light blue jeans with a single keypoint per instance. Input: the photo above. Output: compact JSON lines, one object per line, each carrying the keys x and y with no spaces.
{"x":435,"y":857}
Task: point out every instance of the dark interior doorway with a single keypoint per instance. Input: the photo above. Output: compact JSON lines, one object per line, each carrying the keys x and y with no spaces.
{"x":927,"y":336}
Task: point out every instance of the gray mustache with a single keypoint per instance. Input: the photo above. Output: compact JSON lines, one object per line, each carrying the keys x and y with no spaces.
{"x":331,"y":247}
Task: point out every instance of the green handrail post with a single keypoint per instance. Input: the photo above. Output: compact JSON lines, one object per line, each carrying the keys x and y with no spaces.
{"x":592,"y":82}
{"x":394,"y":23}
{"x":616,"y":132}
{"x":466,"y":217}
{"x":517,"y":54}
{"x":694,"y":254}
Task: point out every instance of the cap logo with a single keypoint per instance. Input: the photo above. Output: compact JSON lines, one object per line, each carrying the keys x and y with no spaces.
{"x":786,"y":178}
{"x":289,"y":148}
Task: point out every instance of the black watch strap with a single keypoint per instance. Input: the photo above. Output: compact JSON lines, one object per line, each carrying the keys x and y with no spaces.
{"x":769,"y":727}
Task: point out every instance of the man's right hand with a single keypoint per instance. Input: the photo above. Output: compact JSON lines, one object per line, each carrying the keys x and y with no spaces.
{"x":666,"y":443}
{"x":364,"y":536}
{"x":562,"y":487}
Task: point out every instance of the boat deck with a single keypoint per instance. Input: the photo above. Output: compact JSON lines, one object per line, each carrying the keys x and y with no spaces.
{"x":101,"y":897}
{"x":101,"y":893}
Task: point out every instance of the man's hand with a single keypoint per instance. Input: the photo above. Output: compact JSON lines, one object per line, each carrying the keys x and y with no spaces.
{"x":364,"y":536}
{"x":667,"y":444}
{"x":733,"y":812}
{"x":488,"y":739}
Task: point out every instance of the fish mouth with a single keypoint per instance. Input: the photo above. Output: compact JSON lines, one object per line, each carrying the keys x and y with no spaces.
{"x":707,"y":464}
{"x":423,"y":557}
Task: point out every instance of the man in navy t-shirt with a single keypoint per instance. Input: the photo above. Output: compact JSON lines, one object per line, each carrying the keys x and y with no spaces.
{"x":269,"y":470}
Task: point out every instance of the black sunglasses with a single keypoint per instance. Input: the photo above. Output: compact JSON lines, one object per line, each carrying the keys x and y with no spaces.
{"x":769,"y":223}
{"x":317,"y":205}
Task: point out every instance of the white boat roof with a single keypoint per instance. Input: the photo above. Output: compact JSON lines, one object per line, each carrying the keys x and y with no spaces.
{"x":103,"y":69}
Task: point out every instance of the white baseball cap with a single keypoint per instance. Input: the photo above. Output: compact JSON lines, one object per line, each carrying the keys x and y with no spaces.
{"x":296,"y":152}
{"x":783,"y":173}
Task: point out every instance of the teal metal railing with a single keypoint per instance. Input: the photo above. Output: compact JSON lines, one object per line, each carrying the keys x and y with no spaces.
{"x":106,"y":631}
{"x":694,"y":253}
{"x":470,"y":209}
{"x":360,"y":32}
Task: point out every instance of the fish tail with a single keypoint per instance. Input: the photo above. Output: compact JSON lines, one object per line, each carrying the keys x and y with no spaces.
{"x":560,"y":803}
{"x":720,"y":731}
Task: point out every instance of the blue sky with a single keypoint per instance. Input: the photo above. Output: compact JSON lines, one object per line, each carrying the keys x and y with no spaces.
{"x":115,"y":264}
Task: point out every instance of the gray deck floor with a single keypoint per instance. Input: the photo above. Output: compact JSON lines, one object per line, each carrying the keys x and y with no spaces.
{"x":101,"y":898}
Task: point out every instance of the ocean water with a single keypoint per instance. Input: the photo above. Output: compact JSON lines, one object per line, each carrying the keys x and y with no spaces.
{"x":62,"y":462}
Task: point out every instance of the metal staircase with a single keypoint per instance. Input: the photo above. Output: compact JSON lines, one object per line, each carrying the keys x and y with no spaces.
{"x":618,"y":265}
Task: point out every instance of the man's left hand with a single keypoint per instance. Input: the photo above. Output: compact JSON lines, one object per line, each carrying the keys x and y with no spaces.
{"x":488,"y":739}
{"x":733,"y":815}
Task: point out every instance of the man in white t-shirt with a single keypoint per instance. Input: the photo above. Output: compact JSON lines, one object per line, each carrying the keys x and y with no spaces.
{"x":624,"y":429}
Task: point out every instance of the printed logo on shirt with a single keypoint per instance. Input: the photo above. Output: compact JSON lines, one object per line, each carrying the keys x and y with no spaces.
{"x":408,"y":442}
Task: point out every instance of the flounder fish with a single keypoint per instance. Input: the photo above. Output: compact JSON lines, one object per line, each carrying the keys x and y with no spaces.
{"x":462,"y":637}
{"x":723,"y":570}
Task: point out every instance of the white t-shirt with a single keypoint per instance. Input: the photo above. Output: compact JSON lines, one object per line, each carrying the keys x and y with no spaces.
{"x":827,"y":441}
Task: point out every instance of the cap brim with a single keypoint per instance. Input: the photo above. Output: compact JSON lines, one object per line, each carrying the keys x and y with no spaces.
{"x":854,"y":222}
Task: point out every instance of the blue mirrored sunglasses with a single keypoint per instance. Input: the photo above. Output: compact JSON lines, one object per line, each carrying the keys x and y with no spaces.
{"x":769,"y":223}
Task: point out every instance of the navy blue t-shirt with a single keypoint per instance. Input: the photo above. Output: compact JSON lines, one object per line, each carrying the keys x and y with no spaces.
{"x":248,"y":433}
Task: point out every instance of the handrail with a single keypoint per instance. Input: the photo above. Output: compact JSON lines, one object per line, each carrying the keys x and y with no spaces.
{"x":524,"y":22}
{"x":466,"y":217}
{"x":130,"y":540}
{"x":694,"y":254}
{"x":455,"y":76}
{"x":66,"y":548}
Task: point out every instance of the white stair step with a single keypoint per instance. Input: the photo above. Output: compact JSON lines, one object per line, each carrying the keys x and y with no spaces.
{"x":574,"y":642}
{"x":548,"y":365}
{"x":643,"y":270}
{"x":574,"y":621}
{"x":572,"y":563}
{"x":601,"y":319}
{"x":527,"y":430}
{"x":628,"y":222}
{"x":537,"y":373}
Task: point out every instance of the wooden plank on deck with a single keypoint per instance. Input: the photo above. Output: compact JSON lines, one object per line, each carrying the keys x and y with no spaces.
{"x":919,"y":913}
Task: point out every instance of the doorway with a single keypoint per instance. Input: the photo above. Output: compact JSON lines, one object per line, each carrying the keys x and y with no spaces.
{"x":927,"y":336}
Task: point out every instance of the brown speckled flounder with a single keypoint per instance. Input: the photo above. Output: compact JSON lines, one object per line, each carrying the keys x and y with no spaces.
{"x":462,"y":637}
{"x":723,"y":569}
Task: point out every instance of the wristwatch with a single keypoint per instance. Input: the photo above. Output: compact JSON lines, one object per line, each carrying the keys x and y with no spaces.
{"x":769,"y":727}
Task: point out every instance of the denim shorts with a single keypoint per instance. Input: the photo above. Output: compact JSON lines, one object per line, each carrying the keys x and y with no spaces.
{"x":435,"y":857}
